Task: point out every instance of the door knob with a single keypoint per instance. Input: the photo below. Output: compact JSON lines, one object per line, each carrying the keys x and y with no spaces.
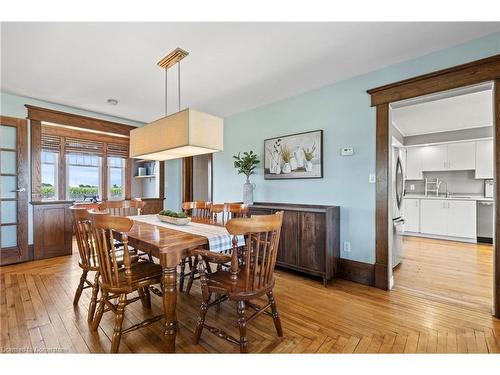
{"x":20,"y":190}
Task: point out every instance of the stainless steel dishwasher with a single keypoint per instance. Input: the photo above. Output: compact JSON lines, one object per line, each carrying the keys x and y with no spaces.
{"x":485,"y":221}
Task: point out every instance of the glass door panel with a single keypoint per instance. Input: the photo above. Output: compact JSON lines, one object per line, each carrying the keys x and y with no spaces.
{"x":13,"y":196}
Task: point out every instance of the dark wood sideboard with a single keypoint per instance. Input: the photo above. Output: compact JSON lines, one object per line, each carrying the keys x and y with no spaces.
{"x":310,"y":237}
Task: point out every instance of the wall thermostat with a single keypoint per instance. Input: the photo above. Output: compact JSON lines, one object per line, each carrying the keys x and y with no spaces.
{"x":347,"y":151}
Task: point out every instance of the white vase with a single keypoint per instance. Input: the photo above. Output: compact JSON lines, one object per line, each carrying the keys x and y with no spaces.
{"x":275,"y":167}
{"x":286,"y":168}
{"x":299,"y":157}
{"x":293,"y":163}
{"x":309,"y":166}
{"x":248,"y":188}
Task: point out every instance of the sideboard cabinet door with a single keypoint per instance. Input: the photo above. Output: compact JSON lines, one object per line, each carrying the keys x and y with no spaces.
{"x":312,"y":241}
{"x":289,"y":239}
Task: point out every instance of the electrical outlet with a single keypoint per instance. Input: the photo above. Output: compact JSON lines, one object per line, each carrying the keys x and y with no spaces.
{"x":347,"y":246}
{"x":372,"y":178}
{"x":412,"y":187}
{"x":347,"y":151}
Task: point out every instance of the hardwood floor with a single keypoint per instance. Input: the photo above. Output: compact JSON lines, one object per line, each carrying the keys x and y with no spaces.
{"x":456,"y":272}
{"x":36,"y":314}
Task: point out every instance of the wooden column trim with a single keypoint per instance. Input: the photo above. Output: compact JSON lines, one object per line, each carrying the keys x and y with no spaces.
{"x":128,"y":178}
{"x":382,"y":198}
{"x":161,"y":176}
{"x":187,"y":179}
{"x":104,"y":173}
{"x":62,"y":170}
{"x":36,"y":161}
{"x":496,"y":253}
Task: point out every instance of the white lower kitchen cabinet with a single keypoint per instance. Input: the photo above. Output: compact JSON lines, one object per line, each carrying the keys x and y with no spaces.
{"x":444,"y":217}
{"x":412,"y":215}
{"x":433,"y":216}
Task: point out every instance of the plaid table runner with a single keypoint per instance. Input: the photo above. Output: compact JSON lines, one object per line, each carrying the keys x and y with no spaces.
{"x":219,"y":239}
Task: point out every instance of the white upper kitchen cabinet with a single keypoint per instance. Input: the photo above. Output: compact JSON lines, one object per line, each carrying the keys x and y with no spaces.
{"x":461,"y":156}
{"x":484,"y":159}
{"x":461,"y":219}
{"x":433,"y":216}
{"x":434,"y":158}
{"x":412,"y":215}
{"x":414,"y":163}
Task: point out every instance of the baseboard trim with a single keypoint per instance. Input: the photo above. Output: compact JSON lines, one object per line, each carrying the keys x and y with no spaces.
{"x":359,"y":272}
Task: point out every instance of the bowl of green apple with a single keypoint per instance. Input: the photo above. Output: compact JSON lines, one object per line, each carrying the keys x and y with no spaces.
{"x":173,"y":217}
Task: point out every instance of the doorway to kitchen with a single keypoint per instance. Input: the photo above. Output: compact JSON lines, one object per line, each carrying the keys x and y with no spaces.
{"x":442,"y":196}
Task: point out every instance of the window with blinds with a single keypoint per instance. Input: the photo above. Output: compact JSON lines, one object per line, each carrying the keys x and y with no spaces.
{"x":88,"y":167}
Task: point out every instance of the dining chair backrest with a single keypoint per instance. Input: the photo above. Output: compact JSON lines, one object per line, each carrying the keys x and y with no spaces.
{"x":222,"y":213}
{"x":262,"y":235}
{"x":131,"y":207}
{"x":84,"y":236}
{"x":104,"y":227}
{"x":199,"y":209}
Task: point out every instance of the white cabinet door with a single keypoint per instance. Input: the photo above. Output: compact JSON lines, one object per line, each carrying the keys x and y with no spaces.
{"x":414,"y":163}
{"x":434,"y":158}
{"x":433,"y":216}
{"x":461,"y":218}
{"x":461,"y":156}
{"x":412,"y":215}
{"x":484,"y":159}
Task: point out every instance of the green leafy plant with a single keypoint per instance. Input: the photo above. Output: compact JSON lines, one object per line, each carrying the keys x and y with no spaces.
{"x":246,"y":164}
{"x":309,"y":154}
{"x":285,"y":153}
{"x":171,"y":213}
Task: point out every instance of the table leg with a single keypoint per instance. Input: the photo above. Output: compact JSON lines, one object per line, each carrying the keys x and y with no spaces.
{"x":169,"y":305}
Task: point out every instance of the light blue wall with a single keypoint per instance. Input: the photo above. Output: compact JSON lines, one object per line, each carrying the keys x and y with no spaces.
{"x":343,"y":111}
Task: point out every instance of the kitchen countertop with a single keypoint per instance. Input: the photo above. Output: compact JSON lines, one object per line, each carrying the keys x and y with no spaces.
{"x":459,"y":197}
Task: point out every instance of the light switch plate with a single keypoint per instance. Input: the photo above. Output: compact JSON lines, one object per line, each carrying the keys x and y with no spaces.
{"x":372,"y":178}
{"x":347,"y":151}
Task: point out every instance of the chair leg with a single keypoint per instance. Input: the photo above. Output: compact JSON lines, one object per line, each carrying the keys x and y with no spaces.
{"x":276,"y":317}
{"x":194,"y":267}
{"x":217,"y":296}
{"x":79,"y":289}
{"x":117,"y":332}
{"x":182,"y":274}
{"x":242,"y":325}
{"x":201,"y":321}
{"x":100,"y":311}
{"x":93,"y":299}
{"x":145,"y":297}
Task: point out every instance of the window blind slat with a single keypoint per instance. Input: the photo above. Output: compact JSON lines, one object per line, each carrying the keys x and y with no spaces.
{"x":83,"y":146}
{"x":118,"y":150}
{"x":51,"y":142}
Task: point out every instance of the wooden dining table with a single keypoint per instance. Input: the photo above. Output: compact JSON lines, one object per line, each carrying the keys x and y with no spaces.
{"x":170,"y":246}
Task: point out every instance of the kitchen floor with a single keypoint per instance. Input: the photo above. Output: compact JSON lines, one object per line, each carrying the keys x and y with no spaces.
{"x":455,"y":272}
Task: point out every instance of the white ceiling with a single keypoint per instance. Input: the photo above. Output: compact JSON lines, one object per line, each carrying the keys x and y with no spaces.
{"x":472,"y":110}
{"x":232,"y":67}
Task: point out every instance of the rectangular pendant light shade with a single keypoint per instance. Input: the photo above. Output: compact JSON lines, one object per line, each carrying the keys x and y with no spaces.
{"x":182,"y":134}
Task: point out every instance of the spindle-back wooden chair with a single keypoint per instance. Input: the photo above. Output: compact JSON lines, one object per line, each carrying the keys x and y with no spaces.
{"x":116,"y":280}
{"x":254,"y":279}
{"x":219,"y":214}
{"x":88,"y":257}
{"x":132,"y":207}
{"x":196,"y":209}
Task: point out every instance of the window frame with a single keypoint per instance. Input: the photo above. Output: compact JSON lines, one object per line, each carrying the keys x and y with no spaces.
{"x":56,"y":172}
{"x":108,"y":175}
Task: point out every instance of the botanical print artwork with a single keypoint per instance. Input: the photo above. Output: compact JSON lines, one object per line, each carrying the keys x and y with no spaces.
{"x":294,"y":156}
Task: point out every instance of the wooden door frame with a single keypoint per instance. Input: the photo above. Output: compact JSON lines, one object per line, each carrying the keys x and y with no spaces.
{"x":472,"y":73}
{"x":19,"y":253}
